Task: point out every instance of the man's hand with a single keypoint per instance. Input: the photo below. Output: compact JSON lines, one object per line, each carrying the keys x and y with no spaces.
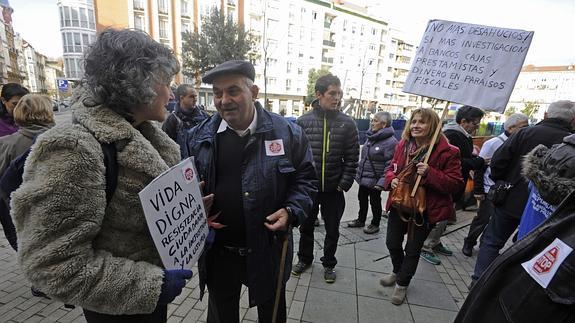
{"x":394,"y":182}
{"x":277,"y":221}
{"x":377,"y":187}
{"x":479,"y":197}
{"x":487,"y":161}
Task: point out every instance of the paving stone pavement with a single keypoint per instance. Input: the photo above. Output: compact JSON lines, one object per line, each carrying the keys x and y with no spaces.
{"x":435,"y":295}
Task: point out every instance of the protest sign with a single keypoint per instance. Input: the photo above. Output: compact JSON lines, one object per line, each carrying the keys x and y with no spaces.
{"x":175,"y":215}
{"x":468,"y":64}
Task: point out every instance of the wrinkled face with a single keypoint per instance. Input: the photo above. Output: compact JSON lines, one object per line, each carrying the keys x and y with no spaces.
{"x":329,"y":100}
{"x":188,"y":101}
{"x":418,"y":127}
{"x":521,"y":124}
{"x":234,"y":100}
{"x":470,"y":125}
{"x":157,"y":109}
{"x":376,"y":124}
{"x":11,"y":104}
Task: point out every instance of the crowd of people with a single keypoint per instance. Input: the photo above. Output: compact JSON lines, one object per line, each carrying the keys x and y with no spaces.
{"x":81,"y":235}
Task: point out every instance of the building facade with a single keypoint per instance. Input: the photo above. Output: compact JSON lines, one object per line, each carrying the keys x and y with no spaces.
{"x":10,"y":68}
{"x":78,"y":29}
{"x":542,"y":85}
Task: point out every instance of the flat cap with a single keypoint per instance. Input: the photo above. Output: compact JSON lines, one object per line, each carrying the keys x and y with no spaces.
{"x":230,"y":67}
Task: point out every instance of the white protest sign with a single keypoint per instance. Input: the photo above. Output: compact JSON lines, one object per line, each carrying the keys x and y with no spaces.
{"x":468,"y":64}
{"x":175,"y":215}
{"x":543,"y":267}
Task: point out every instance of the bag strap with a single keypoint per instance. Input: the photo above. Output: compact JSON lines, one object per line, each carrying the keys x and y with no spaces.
{"x":110,"y":165}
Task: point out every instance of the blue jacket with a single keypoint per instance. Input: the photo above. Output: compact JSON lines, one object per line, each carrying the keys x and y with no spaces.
{"x":268,"y":183}
{"x":376,"y":154}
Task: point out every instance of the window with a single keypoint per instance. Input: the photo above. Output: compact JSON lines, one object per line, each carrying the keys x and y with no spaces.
{"x":288,"y":67}
{"x":186,"y":27}
{"x":163,"y":28}
{"x":75,"y":17}
{"x":391,"y":56}
{"x":70,"y":42}
{"x":185,"y":8}
{"x":91,"y":19}
{"x":314,"y":15}
{"x":272,"y":81}
{"x":62,"y":16}
{"x":300,"y":71}
{"x":85,"y":42}
{"x":163,"y":6}
{"x":389,"y":69}
{"x":67,"y":22}
{"x":290,"y":48}
{"x":139,"y":22}
{"x":288,"y":84}
{"x":77,"y":43}
{"x":83,"y":18}
{"x":138,"y":4}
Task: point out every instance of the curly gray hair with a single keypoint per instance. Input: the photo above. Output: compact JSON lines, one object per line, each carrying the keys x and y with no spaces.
{"x":122,"y":67}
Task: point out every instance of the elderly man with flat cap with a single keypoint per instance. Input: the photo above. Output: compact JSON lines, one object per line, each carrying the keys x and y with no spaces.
{"x":259,"y":166}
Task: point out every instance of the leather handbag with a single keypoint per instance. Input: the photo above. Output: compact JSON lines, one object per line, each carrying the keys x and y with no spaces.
{"x":408,"y":207}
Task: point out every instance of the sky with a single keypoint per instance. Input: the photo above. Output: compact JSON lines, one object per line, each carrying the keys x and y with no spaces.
{"x":552,"y":20}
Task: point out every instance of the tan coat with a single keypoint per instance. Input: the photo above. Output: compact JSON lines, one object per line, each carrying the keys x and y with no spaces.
{"x":70,"y":245}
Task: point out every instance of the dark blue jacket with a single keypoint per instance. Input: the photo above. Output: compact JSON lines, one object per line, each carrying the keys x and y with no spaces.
{"x":376,"y":154}
{"x":269,"y":183}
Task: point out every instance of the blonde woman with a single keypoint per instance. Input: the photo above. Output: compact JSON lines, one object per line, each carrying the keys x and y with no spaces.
{"x":441,"y":177}
{"x":33,"y":115}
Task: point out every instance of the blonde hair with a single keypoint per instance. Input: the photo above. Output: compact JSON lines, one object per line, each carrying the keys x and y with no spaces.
{"x":34,"y":109}
{"x":428,"y":116}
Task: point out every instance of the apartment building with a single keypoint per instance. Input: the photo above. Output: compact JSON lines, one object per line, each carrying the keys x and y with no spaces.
{"x":34,"y":65}
{"x":9,"y":62}
{"x":78,"y":29}
{"x":543,"y":85}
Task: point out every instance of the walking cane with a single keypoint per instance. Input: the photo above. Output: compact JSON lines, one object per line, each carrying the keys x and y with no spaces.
{"x":280,"y":275}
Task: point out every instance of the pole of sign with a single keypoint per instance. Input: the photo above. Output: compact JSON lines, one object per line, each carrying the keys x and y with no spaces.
{"x":431,"y":144}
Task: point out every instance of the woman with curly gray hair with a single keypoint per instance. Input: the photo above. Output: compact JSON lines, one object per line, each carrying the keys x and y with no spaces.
{"x":78,"y":245}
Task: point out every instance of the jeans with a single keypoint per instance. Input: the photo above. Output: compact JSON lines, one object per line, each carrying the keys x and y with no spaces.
{"x":479,"y":222}
{"x":374,"y":195}
{"x":404,"y":260}
{"x":500,"y":227}
{"x":226,"y":274}
{"x":332,"y":206}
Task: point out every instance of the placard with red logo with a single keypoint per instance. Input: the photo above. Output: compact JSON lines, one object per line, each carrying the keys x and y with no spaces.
{"x":274,"y":147}
{"x":544,"y":265}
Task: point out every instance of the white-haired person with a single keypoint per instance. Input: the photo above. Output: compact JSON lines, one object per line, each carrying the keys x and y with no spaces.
{"x":482,"y":182}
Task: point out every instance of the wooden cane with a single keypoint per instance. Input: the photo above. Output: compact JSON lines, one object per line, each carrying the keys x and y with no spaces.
{"x":281,"y":275}
{"x":428,"y":153}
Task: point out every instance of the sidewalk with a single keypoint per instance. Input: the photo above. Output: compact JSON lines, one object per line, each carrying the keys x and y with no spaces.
{"x":435,"y":294}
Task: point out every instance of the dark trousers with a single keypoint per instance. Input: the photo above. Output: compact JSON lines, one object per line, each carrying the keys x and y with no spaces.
{"x":8,"y":225}
{"x":226,"y":274}
{"x":159,"y":315}
{"x":480,"y":221}
{"x":500,"y":227}
{"x":332,"y":205}
{"x":374,"y":196}
{"x":404,"y":260}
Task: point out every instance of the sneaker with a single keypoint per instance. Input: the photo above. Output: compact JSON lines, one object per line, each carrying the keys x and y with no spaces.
{"x":430,"y":257}
{"x":329,"y":275}
{"x":299,"y":268}
{"x":440,"y":249}
{"x":316,"y":223}
{"x":371,"y":229}
{"x":356,"y":224}
{"x":388,"y":280}
{"x":398,"y":295}
{"x":467,"y":249}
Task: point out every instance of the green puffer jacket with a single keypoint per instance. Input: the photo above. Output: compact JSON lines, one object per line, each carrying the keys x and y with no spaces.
{"x":73,"y":247}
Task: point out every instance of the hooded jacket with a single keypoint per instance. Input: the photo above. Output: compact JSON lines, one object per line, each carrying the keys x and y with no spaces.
{"x":376,"y":154}
{"x":507,"y":160}
{"x":334,"y":142}
{"x":552,"y":170}
{"x":179,"y":121}
{"x":71,"y":245}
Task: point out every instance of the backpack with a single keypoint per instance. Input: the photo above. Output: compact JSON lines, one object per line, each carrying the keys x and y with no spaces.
{"x":12,"y":177}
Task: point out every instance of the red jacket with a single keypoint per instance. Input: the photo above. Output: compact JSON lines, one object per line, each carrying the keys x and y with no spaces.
{"x":441,"y":181}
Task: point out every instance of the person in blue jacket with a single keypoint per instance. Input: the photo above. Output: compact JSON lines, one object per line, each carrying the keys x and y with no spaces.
{"x":260,"y":168}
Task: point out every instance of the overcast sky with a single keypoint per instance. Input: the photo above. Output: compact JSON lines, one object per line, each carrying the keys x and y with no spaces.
{"x":552,"y":20}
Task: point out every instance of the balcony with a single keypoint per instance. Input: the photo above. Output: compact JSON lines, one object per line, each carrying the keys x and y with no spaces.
{"x":138,"y":5}
{"x":329,"y":43}
{"x":327,"y":24}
